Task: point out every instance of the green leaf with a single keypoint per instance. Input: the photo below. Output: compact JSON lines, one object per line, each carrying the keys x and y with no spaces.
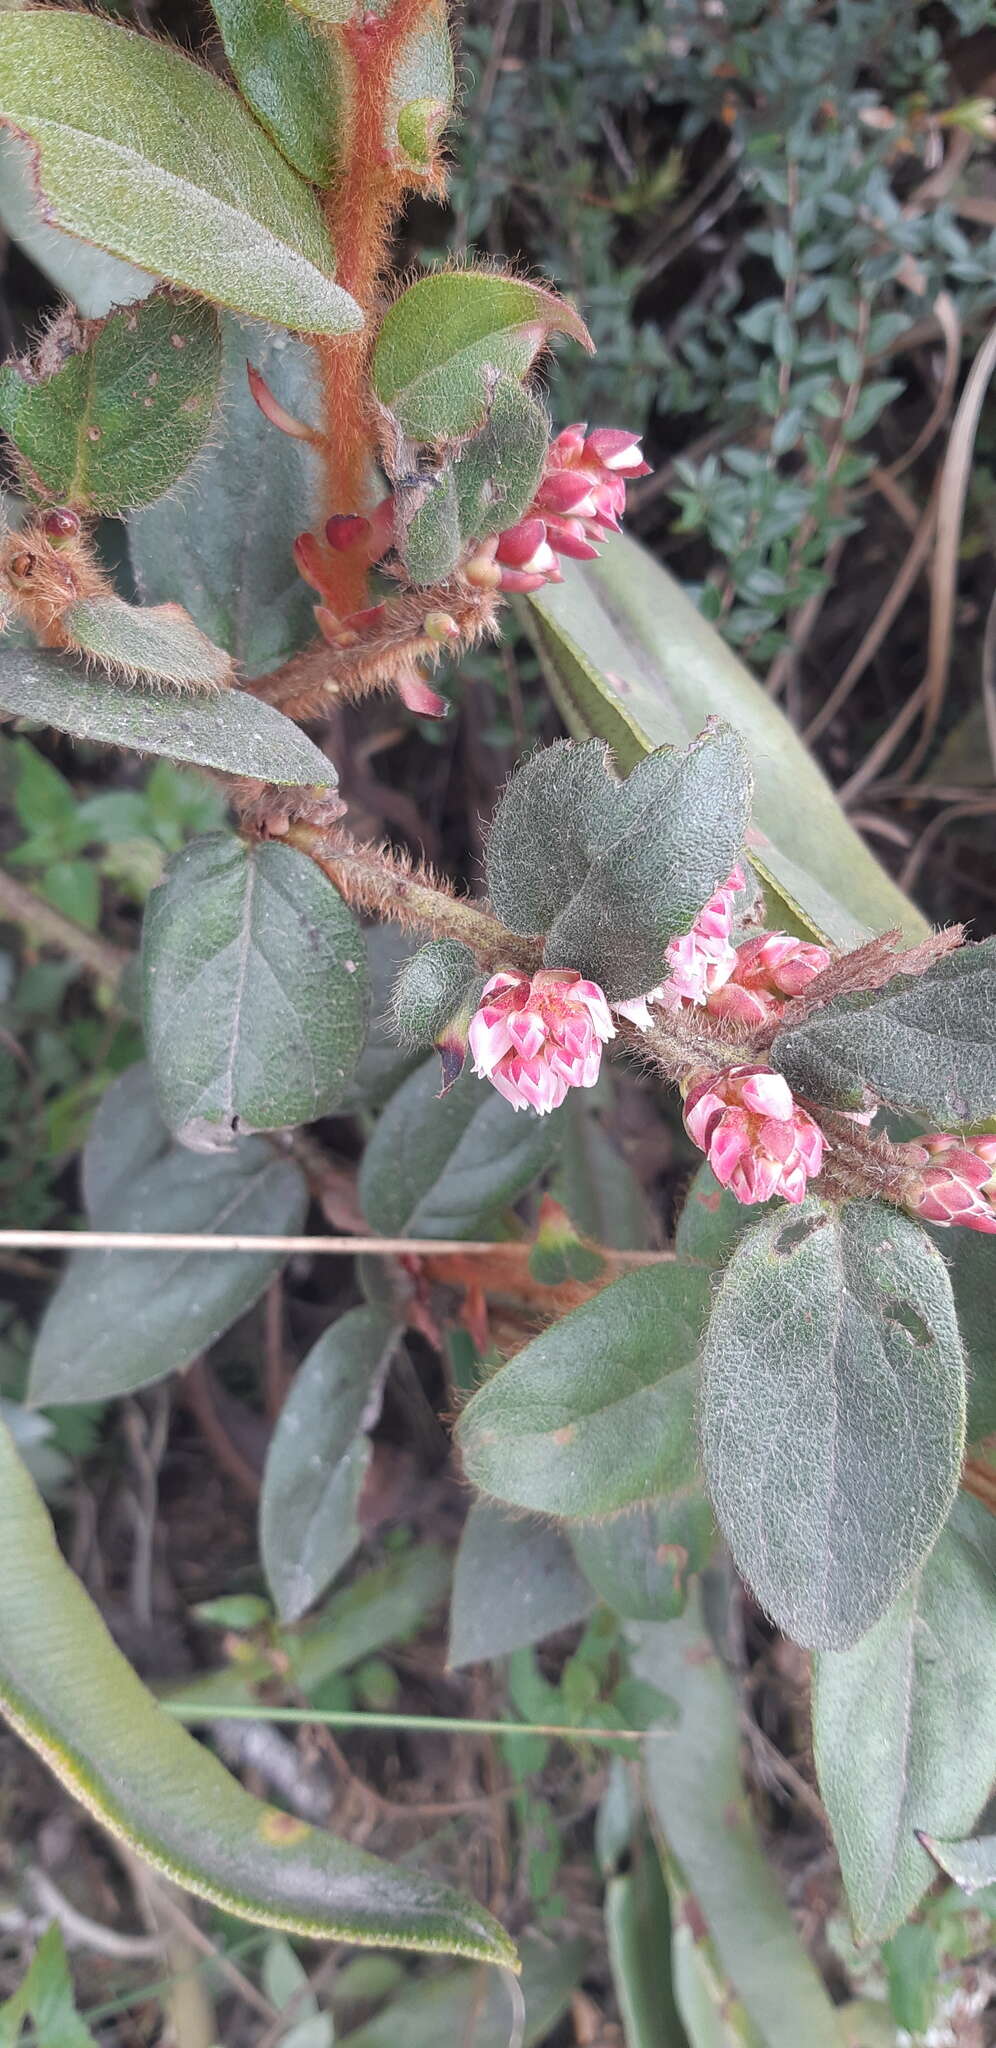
{"x":904,"y":1727}
{"x":499,"y":471}
{"x":93,"y":280}
{"x":119,"y":1319}
{"x":318,"y":1458}
{"x":228,"y":730}
{"x":638,"y":1932}
{"x":383,"y":1063}
{"x":971,"y":1264}
{"x":420,"y":96}
{"x":443,"y":344}
{"x":597,"y":1412}
{"x":631,"y":660}
{"x":127,"y":1135}
{"x":69,"y":1692}
{"x":157,"y":641}
{"x":925,"y":1045}
{"x":639,"y":1562}
{"x":832,"y":1413}
{"x":700,"y":1806}
{"x":255,"y":992}
{"x":433,"y":985}
{"x":970,"y":1865}
{"x":45,"y":1996}
{"x":148,"y":154}
{"x":224,"y":544}
{"x":712,"y":1221}
{"x":464,"y":2006}
{"x":596,"y":1183}
{"x":449,"y":1168}
{"x":611,"y":871}
{"x":290,"y":78}
{"x":515,"y":1582}
{"x":329,"y":10}
{"x":125,"y":413}
{"x":431,"y":544}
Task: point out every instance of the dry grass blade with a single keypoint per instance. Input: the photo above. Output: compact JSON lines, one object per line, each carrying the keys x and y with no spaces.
{"x":950,"y":325}
{"x":913,"y":562}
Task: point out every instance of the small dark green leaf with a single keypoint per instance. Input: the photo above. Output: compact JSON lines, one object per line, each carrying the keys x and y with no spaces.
{"x":596,"y":1183}
{"x":499,"y":470}
{"x":318,"y":1458}
{"x":151,"y":156}
{"x":970,"y":1865}
{"x":223,"y":544}
{"x":159,"y":642}
{"x":255,"y":990}
{"x":45,"y":1996}
{"x":70,"y":1693}
{"x":431,"y":544}
{"x":597,"y":1412}
{"x":432,"y":986}
{"x":290,"y":78}
{"x":903,"y":1724}
{"x":625,"y":866}
{"x":443,"y":344}
{"x":226,"y":730}
{"x":639,"y":1562}
{"x":639,"y":1934}
{"x":383,"y":1063}
{"x":515,"y":1582}
{"x":464,"y":2005}
{"x":712,"y":1221}
{"x":833,"y":1355}
{"x":449,"y":1168}
{"x":126,"y":412}
{"x":119,"y":1320}
{"x":927,"y":1046}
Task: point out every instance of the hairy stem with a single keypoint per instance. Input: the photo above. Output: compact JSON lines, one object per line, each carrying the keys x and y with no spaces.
{"x":388,"y":888}
{"x":360,"y":209}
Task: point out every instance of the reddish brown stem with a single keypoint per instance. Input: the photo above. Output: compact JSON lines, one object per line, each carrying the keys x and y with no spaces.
{"x":360,"y":210}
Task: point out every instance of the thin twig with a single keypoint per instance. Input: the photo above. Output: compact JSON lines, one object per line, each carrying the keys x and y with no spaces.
{"x":336,"y":1247}
{"x":42,"y":922}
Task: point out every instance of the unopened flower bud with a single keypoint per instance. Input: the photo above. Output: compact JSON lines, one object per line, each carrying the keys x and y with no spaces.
{"x":779,"y":963}
{"x":61,"y":524}
{"x":757,"y":1140}
{"x":440,"y":627}
{"x":435,"y":997}
{"x":959,"y":1182}
{"x":533,"y":1037}
{"x":346,"y":530}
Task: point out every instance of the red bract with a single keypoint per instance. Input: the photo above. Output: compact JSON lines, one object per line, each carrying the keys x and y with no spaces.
{"x":757,"y":1140}
{"x":959,"y":1186}
{"x":534,"y":1037}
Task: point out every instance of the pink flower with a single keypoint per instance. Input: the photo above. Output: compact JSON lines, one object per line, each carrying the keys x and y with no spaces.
{"x":579,"y":502}
{"x":757,"y":1140}
{"x":768,"y":970}
{"x":961,"y":1186}
{"x":533,"y":1038}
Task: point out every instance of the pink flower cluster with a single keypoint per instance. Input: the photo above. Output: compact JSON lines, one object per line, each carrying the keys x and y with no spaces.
{"x":959,"y":1184}
{"x":746,"y":983}
{"x":579,"y":502}
{"x":533,"y":1037}
{"x":757,"y":1140}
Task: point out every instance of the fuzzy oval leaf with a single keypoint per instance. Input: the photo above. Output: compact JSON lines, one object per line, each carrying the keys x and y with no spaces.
{"x":94,"y":281}
{"x":289,"y":77}
{"x":443,"y":344}
{"x":631,"y":660}
{"x":611,"y":871}
{"x":255,"y":994}
{"x":639,"y":1562}
{"x":903,"y":1724}
{"x":420,"y":95}
{"x":970,"y":1865}
{"x":448,"y":1168}
{"x":318,"y":1458}
{"x":430,"y":546}
{"x":596,"y":1183}
{"x":515,"y":1582}
{"x":224,"y":543}
{"x":433,"y":985}
{"x":66,"y":1688}
{"x":597,"y":1412}
{"x":227,"y":730}
{"x":712,"y":1221}
{"x":120,"y":1319}
{"x":158,"y":642}
{"x":499,"y":471}
{"x":833,"y":1352}
{"x":126,"y":412}
{"x":149,"y":155}
{"x":927,"y":1046}
{"x":971,"y":1262}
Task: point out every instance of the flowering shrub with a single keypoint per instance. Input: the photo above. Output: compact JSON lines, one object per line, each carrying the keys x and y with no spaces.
{"x":675,"y":893}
